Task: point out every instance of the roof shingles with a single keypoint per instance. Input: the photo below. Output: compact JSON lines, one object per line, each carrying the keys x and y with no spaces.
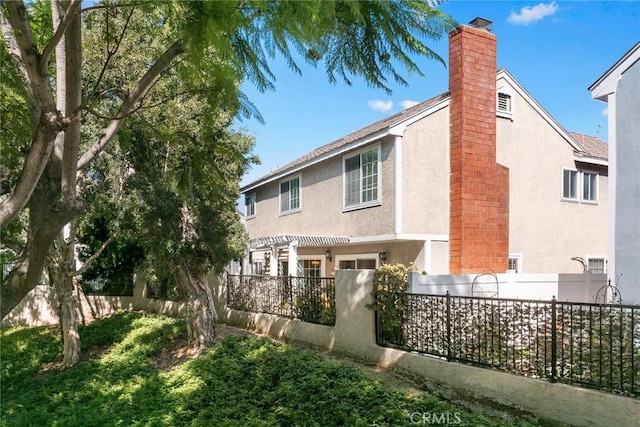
{"x":385,"y":123}
{"x":593,"y":147}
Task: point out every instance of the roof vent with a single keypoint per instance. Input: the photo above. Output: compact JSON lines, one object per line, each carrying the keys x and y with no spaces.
{"x":481,"y":23}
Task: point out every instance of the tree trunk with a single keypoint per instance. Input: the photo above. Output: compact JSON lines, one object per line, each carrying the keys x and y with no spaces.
{"x":201,"y":314}
{"x":63,"y":282}
{"x":46,"y":220}
{"x":53,"y":202}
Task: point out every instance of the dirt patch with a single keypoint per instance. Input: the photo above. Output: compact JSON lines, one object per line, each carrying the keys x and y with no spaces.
{"x":180,"y":352}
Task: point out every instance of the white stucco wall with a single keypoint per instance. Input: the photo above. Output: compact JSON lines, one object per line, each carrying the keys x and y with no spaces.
{"x":546,"y":230}
{"x":627,"y":152}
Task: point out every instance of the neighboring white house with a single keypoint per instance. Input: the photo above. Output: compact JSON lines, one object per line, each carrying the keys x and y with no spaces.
{"x":619,"y":87}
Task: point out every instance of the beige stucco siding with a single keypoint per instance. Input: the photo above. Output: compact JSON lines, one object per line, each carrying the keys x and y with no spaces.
{"x":546,"y":230}
{"x":397,"y":252}
{"x":425,"y":175}
{"x":321,"y":203}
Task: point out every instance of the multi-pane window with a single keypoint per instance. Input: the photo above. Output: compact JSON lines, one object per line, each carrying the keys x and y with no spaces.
{"x":597,"y":265}
{"x":361,"y":178}
{"x":309,"y":268}
{"x":250,"y":205}
{"x":513,"y":264}
{"x":569,"y":184}
{"x":579,"y":184}
{"x":290,"y":195}
{"x":589,"y":186}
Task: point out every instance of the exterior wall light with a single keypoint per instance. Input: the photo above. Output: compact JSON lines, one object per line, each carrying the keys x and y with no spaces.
{"x":327,"y":255}
{"x":383,"y":256}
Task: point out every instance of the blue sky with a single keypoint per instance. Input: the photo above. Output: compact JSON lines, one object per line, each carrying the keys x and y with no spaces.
{"x":556,"y":50}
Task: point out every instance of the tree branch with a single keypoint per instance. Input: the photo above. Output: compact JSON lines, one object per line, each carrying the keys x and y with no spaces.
{"x":110,"y":54}
{"x":36,"y":72}
{"x":14,"y":51}
{"x":34,"y":165}
{"x":141,"y":107}
{"x":95,"y":256}
{"x":128,"y":104}
{"x":48,"y":121}
{"x":112,"y":6}
{"x":72,"y":11}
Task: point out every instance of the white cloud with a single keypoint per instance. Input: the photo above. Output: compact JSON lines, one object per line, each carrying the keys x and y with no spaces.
{"x":407,"y":103}
{"x":380,"y":105}
{"x":529,"y":15}
{"x":605,"y":112}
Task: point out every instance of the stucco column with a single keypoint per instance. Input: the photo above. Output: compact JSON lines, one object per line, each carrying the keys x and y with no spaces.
{"x":273,"y":261}
{"x":293,"y":259}
{"x":355,"y":323}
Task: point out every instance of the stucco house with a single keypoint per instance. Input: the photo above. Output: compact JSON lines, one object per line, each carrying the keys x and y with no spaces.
{"x":619,"y":87}
{"x":478,"y":178}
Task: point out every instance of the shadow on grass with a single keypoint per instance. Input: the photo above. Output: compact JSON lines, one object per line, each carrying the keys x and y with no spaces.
{"x":99,"y":390}
{"x":242,"y":381}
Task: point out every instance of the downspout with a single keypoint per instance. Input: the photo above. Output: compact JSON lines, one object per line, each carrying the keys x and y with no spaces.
{"x":612,"y":180}
{"x":397,"y":170}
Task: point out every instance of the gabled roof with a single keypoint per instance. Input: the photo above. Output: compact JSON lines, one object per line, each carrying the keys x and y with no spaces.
{"x":607,"y":83}
{"x":366,"y":134}
{"x":589,"y":149}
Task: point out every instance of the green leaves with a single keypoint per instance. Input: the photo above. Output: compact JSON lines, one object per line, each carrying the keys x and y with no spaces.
{"x":133,"y":376}
{"x":365,"y":39}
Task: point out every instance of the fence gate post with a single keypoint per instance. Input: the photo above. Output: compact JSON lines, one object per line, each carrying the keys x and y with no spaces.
{"x":554,"y":345}
{"x":448,"y":296}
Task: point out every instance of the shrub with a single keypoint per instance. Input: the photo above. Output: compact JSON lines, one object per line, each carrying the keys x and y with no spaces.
{"x":390,"y":284}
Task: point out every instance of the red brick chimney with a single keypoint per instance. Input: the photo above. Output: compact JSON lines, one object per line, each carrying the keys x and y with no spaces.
{"x":479,"y":187}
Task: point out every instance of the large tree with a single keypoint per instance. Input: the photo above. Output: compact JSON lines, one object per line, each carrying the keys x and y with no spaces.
{"x":185,"y":200}
{"x":370,"y":39}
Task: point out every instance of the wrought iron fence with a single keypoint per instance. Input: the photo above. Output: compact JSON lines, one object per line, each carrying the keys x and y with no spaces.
{"x":113,"y":286}
{"x":593,"y":345}
{"x":311,"y":299}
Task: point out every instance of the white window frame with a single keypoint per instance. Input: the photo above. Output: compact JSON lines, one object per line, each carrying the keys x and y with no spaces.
{"x":290,"y":210}
{"x":518,"y":258}
{"x":580,"y":175}
{"x":321,"y":257}
{"x":356,"y":257}
{"x":507,"y":114}
{"x":583,"y":174}
{"x":577,"y":185}
{"x":247,"y":199}
{"x":605,"y":264}
{"x":361,"y":204}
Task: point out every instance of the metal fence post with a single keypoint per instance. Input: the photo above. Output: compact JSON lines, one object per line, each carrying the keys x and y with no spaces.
{"x":554,"y":345}
{"x":448,"y":296}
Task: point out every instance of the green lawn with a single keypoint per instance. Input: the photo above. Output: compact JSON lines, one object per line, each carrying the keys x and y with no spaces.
{"x":126,"y":378}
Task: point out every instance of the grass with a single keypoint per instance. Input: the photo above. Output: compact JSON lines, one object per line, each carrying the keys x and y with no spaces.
{"x":128,"y":377}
